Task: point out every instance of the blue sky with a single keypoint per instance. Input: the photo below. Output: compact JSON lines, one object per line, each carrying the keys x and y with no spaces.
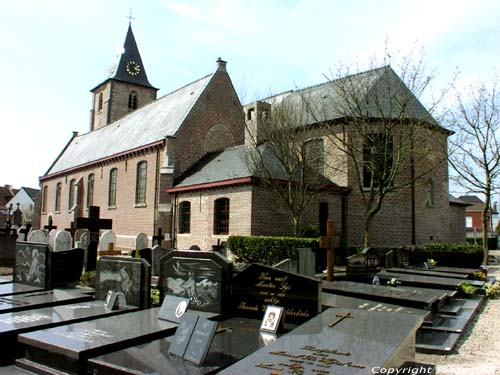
{"x":55,"y":51}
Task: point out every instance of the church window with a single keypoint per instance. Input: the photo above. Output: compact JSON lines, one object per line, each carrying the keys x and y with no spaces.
{"x":377,"y":159}
{"x":221,"y":216}
{"x":90,"y":190}
{"x":250,"y":113}
{"x":99,"y":102}
{"x":71,"y":194}
{"x":44,"y":199}
{"x":185,"y":217}
{"x":140,"y":183}
{"x":315,"y":154}
{"x":132,"y":101}
{"x":57,"y":207}
{"x":113,"y":177}
{"x":431,"y":195}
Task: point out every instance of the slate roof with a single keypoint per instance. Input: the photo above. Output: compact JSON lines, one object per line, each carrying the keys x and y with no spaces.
{"x":145,"y":126}
{"x":457,"y":201}
{"x":475,"y":203}
{"x":31,"y":192}
{"x":327,"y":102}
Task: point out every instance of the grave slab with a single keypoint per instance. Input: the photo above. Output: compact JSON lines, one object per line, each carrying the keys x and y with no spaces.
{"x":427,"y":272}
{"x":404,"y":296}
{"x":338,"y":341}
{"x":235,"y":339}
{"x":435,"y":342}
{"x":67,"y":348}
{"x":459,"y":270}
{"x":13,"y":324}
{"x":11,"y":289}
{"x":427,"y":281}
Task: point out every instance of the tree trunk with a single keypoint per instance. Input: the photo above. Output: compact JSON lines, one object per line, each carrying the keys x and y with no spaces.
{"x":485,"y":227}
{"x":366,"y":233}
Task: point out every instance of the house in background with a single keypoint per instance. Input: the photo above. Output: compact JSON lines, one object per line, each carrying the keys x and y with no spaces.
{"x":473,"y":221}
{"x":23,"y":200}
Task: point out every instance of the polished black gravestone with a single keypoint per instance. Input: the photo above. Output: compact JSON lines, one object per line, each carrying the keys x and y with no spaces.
{"x":65,"y":267}
{"x":235,"y":338}
{"x":428,"y":272}
{"x":420,"y":298}
{"x":31,"y":265}
{"x":130,"y":277}
{"x":427,"y":281}
{"x":258,"y":286}
{"x":67,"y":348}
{"x":146,"y":254}
{"x":201,"y":276}
{"x":338,"y":341}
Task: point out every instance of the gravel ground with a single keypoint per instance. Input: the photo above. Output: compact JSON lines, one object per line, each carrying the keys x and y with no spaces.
{"x":479,"y":349}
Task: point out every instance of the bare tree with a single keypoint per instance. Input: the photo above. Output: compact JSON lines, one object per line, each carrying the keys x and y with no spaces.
{"x":476,"y":149}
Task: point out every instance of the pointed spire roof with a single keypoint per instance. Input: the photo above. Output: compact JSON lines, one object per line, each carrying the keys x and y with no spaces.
{"x":130,"y":67}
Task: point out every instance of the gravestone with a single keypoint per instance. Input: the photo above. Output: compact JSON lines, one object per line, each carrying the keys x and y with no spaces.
{"x":203,"y":277}
{"x":107,"y":238}
{"x":23,"y":232}
{"x":63,"y":241}
{"x":402,"y":257}
{"x":79,"y":233}
{"x":307,"y":262}
{"x":389,"y":259}
{"x":31,"y":265}
{"x":93,"y":223}
{"x":144,"y":253}
{"x":258,"y":285}
{"x":131,"y":277}
{"x":65,"y":267}
{"x":288,"y":265}
{"x":363,"y":265}
{"x":141,"y":241}
{"x":82,"y":241}
{"x":7,"y":249}
{"x":158,"y":252}
{"x":38,"y":236}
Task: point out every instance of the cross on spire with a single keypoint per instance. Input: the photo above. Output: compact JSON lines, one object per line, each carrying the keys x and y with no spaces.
{"x":130,"y":18}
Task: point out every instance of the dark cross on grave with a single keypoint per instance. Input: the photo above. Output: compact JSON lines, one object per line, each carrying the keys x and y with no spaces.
{"x":158,"y":238}
{"x":50,"y":226}
{"x":340,"y":318}
{"x":25,"y":231}
{"x":72,"y":230}
{"x":94,"y":224}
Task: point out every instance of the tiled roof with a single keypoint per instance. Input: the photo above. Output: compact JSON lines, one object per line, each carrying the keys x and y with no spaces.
{"x":145,"y":126}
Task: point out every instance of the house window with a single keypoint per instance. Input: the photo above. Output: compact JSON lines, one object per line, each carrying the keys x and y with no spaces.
{"x":250,"y":113}
{"x":71,"y":194}
{"x":132,"y":101}
{"x":377,"y":159}
{"x":113,"y":176}
{"x":221,"y":216}
{"x":140,"y":183}
{"x":99,"y":102}
{"x":430,"y":193}
{"x":57,"y":207}
{"x":44,"y":199}
{"x":315,"y":154}
{"x":90,"y":190}
{"x":468,"y":221}
{"x":185,"y":217}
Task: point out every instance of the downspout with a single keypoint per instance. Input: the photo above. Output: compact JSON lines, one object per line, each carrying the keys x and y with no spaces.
{"x":174,"y":222}
{"x":157,"y":199}
{"x":412,"y":191}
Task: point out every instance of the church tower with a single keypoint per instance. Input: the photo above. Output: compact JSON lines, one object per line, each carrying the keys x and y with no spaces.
{"x":126,"y":90}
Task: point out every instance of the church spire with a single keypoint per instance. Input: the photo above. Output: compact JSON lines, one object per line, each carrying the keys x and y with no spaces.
{"x":130,"y":67}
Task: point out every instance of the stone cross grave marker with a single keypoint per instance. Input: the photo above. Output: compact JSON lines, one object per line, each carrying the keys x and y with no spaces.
{"x":49,"y":225}
{"x":93,"y":223}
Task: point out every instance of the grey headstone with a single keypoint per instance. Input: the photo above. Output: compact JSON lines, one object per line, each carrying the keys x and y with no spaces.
{"x":287,"y":265}
{"x":38,"y":236}
{"x":141,"y":241}
{"x":52,"y":239}
{"x":63,"y":241}
{"x":107,"y":237}
{"x":158,"y":253}
{"x":79,"y":232}
{"x":307,"y":262}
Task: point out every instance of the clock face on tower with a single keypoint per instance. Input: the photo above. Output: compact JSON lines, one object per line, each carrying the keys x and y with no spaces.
{"x":133,"y":68}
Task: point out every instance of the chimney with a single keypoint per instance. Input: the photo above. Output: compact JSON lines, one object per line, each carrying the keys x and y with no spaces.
{"x":221,"y":65}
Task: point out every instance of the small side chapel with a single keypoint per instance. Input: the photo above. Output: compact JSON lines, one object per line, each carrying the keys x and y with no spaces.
{"x":137,"y":146}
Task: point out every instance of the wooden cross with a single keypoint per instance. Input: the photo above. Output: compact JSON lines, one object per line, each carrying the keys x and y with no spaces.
{"x":94,"y":224}
{"x":159,"y":237}
{"x":340,"y":318}
{"x":49,"y":226}
{"x":72,"y":230}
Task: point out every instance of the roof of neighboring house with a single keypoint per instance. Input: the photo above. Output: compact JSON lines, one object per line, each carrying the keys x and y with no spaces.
{"x":145,"y":126}
{"x":457,"y":201}
{"x":6,"y":193}
{"x":31,"y":192}
{"x":475,"y":203}
{"x":234,"y":165}
{"x":333,"y":100}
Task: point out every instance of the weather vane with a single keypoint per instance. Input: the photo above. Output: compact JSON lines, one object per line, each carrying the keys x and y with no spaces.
{"x":130,"y":18}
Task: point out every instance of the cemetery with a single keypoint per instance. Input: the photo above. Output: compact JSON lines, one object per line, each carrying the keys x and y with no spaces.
{"x":217,"y":316}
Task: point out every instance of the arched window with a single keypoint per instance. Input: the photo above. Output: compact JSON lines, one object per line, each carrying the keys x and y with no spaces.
{"x":140,"y":183}
{"x":113,"y":177}
{"x":185,"y":217}
{"x":132,"y":101}
{"x":44,"y":198}
{"x":315,"y":154}
{"x":71,"y":194}
{"x":99,"y":102}
{"x":90,"y":190}
{"x":431,"y":194}
{"x":57,"y":207}
{"x":221,"y":216}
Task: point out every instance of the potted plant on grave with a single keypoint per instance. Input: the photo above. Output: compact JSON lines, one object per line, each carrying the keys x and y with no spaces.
{"x":430,"y":264}
{"x":393,"y":282}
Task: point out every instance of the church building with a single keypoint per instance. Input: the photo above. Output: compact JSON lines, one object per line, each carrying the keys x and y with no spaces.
{"x":178,"y":163}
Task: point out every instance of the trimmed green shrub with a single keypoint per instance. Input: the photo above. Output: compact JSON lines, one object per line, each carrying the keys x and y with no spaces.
{"x":268,"y":250}
{"x":450,"y":255}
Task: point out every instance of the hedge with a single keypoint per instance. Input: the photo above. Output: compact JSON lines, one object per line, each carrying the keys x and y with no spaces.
{"x":268,"y":250}
{"x":450,"y":255}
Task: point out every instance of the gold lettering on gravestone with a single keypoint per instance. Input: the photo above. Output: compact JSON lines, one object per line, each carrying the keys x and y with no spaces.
{"x":244,"y":306}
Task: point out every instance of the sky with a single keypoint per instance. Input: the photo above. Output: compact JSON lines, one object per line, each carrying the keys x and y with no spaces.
{"x":55,"y":51}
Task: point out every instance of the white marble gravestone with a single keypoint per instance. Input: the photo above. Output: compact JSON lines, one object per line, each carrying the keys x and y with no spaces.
{"x":82,"y":238}
{"x":141,"y":241}
{"x":52,"y":239}
{"x":38,"y":236}
{"x":107,"y":237}
{"x":63,"y":241}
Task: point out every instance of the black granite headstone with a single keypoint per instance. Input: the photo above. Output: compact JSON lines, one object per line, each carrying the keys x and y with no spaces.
{"x":31,"y":265}
{"x":65,"y":267}
{"x":130,"y":277}
{"x":201,"y":276}
{"x":143,"y":254}
{"x":258,"y":286}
